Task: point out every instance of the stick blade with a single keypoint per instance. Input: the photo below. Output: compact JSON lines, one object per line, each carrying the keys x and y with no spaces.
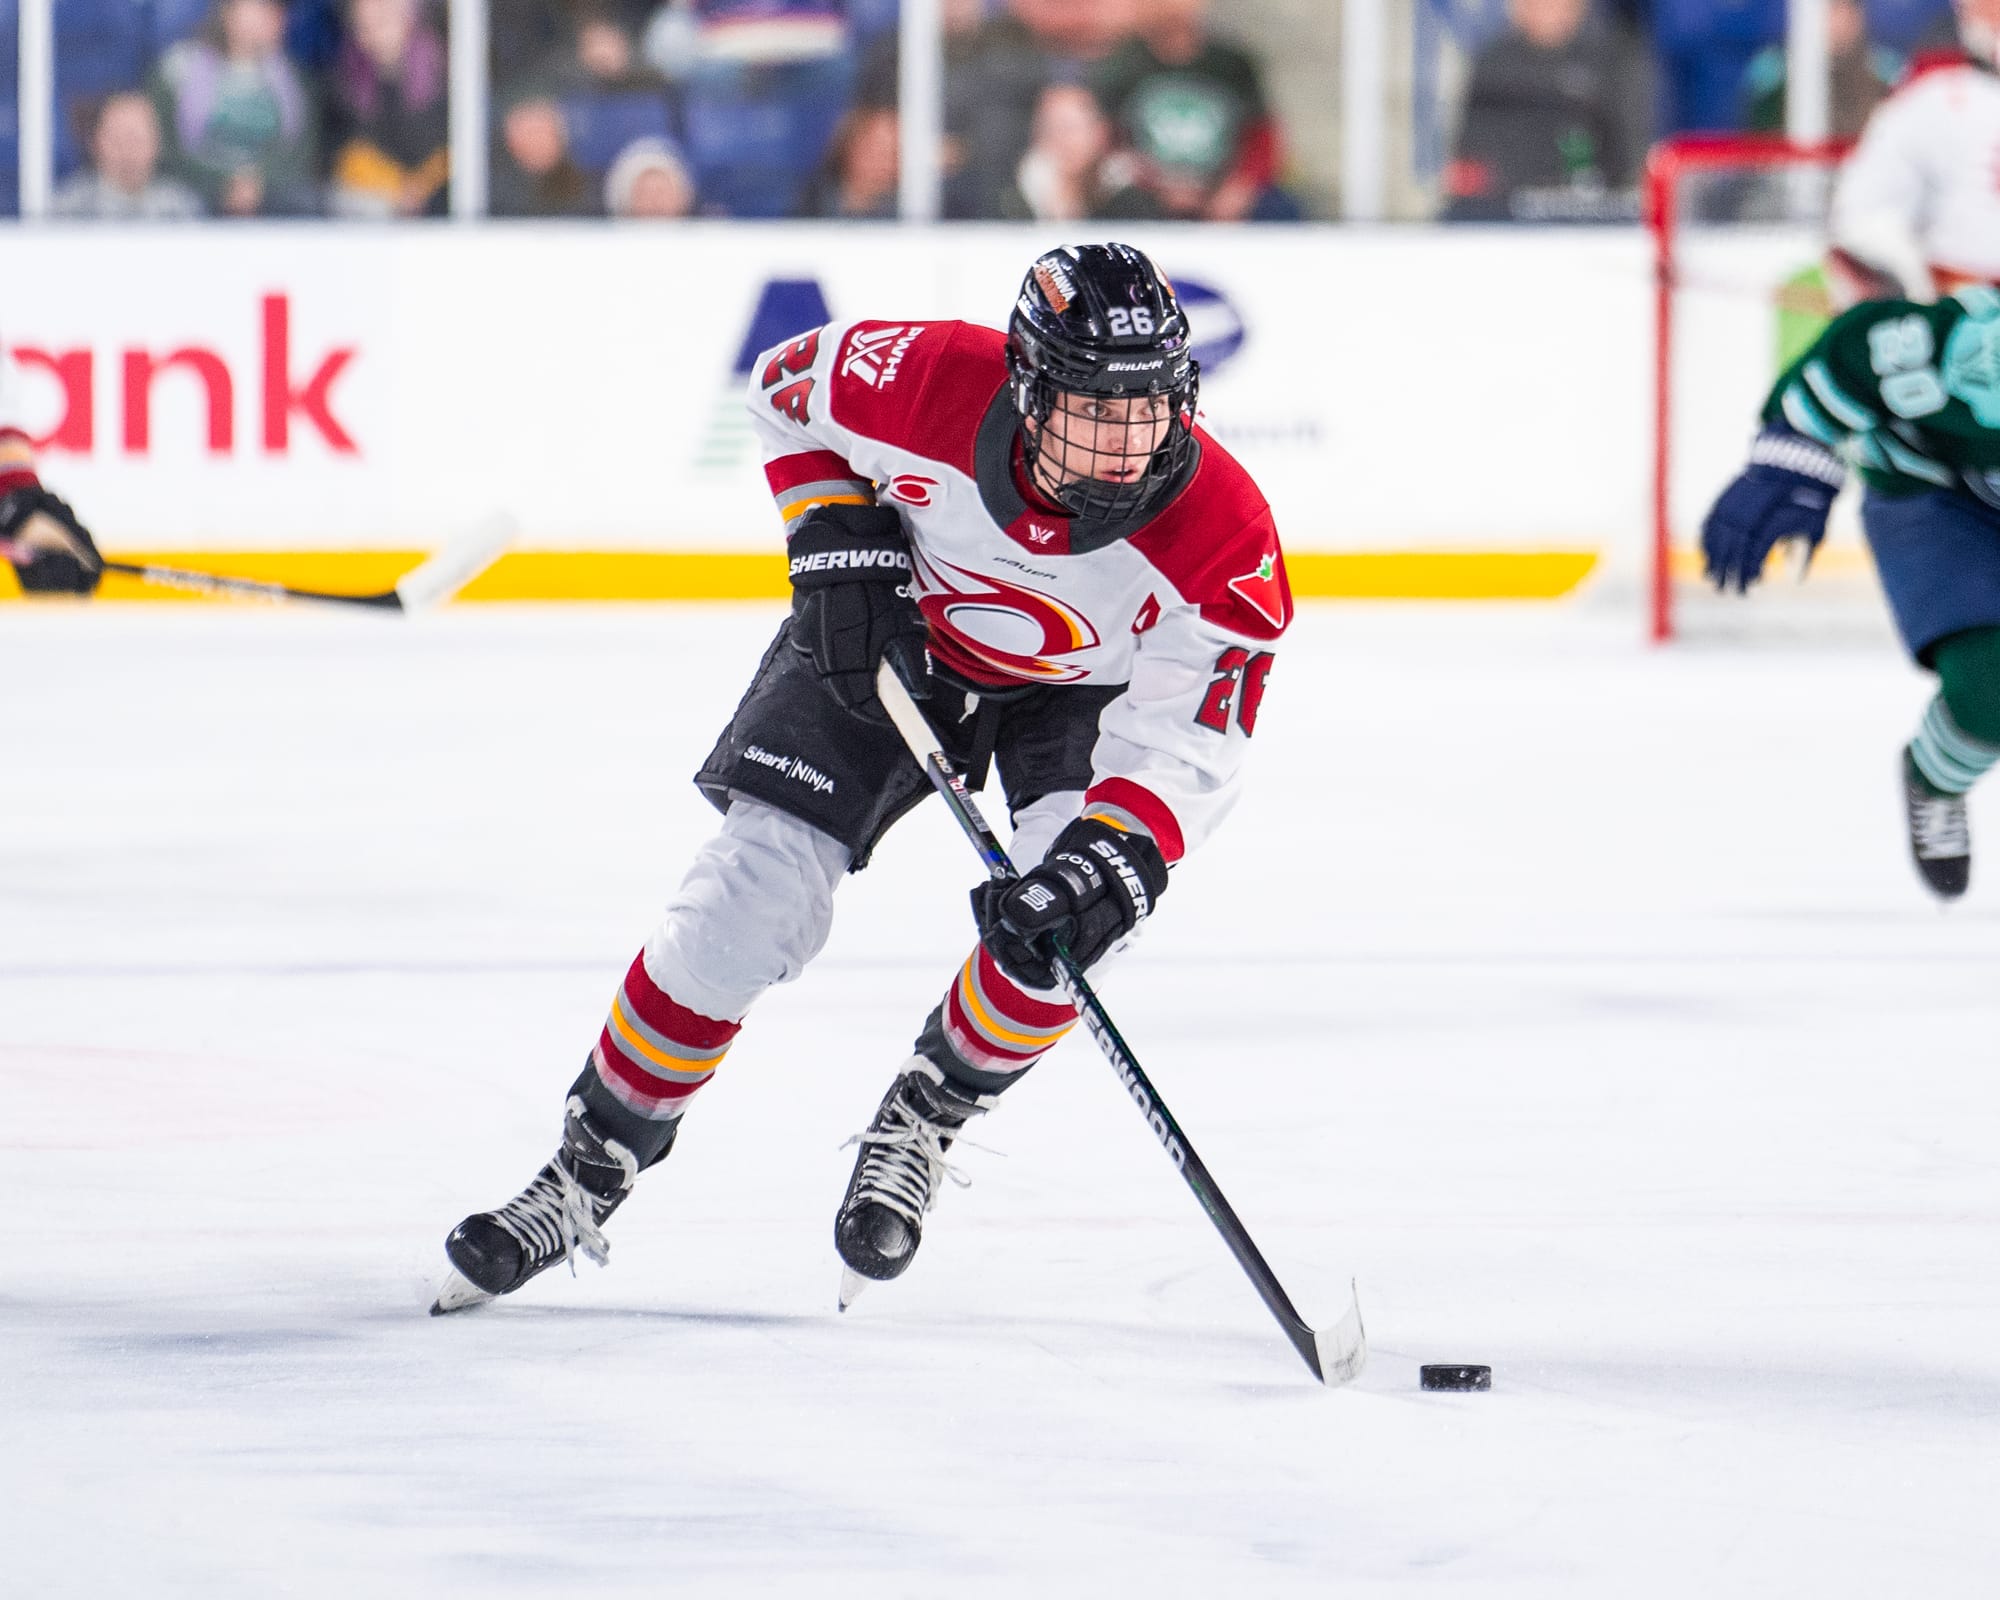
{"x":1343,"y":1348}
{"x":456,"y":565}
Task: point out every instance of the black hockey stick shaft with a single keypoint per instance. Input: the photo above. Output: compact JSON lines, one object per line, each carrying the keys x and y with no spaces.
{"x":1344,"y":1360}
{"x":431,"y":582}
{"x":247,"y":588}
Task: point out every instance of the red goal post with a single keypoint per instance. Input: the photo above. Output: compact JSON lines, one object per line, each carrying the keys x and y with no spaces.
{"x":1673,"y":167}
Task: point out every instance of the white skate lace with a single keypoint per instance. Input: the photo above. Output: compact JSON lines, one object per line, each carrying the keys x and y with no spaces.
{"x":556,"y":1213}
{"x":1939,"y":828}
{"x":902,"y":1171}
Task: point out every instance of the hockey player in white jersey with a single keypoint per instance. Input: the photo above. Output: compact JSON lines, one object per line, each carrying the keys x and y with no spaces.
{"x":1916,"y":208}
{"x":1083,"y":587}
{"x":50,"y":551}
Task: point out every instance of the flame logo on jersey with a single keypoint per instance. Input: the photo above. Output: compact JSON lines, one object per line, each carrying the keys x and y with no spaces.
{"x":1003,"y":625}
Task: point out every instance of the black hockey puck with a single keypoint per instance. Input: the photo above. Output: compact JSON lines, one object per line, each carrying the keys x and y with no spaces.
{"x":1455,"y":1377}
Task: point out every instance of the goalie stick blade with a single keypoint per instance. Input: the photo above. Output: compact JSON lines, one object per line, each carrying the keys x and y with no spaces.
{"x":456,"y":565}
{"x":457,"y":1293}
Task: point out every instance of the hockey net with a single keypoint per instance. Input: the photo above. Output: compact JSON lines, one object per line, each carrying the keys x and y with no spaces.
{"x":1738,"y":228}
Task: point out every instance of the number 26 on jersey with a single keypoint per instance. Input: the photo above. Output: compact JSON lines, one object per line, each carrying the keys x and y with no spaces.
{"x":1238,"y":686}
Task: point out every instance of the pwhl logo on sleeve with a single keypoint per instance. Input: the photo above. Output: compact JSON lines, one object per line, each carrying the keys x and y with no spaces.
{"x":291,"y":387}
{"x":874,"y":354}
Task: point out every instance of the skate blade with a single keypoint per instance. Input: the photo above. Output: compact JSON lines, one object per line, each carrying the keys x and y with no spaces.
{"x":458,"y":1293}
{"x":851,"y":1285}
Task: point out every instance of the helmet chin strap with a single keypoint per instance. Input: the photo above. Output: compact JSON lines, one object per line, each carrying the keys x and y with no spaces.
{"x":1041,"y":472}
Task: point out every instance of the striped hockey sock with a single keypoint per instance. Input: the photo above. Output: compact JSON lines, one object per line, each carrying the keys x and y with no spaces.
{"x":993,"y":1026}
{"x":1948,"y":758}
{"x":654,"y":1053}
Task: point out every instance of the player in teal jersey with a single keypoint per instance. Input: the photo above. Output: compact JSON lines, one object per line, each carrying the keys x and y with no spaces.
{"x":1908,"y":396}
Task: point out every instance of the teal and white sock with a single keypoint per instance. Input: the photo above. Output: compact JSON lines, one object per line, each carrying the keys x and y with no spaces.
{"x":1949,"y":759}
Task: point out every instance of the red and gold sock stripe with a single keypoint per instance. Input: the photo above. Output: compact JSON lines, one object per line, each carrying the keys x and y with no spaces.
{"x":654,"y":1053}
{"x":994,"y":1024}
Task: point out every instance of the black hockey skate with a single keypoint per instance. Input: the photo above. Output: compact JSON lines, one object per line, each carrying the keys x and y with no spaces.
{"x":881,"y":1218}
{"x":1940,"y":837}
{"x":563,"y":1211}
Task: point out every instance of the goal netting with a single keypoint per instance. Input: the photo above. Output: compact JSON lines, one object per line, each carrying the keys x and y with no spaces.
{"x":1740,"y":287}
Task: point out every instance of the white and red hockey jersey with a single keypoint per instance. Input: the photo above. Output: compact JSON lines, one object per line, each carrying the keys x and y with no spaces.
{"x":1184,"y":612}
{"x":1919,"y":198}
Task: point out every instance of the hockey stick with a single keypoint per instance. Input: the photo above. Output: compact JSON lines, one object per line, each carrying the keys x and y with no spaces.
{"x":1335,"y":1355}
{"x":429,"y":584}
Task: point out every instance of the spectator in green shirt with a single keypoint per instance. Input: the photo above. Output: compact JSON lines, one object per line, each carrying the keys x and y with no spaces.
{"x":242,"y":127}
{"x":1191,"y":108}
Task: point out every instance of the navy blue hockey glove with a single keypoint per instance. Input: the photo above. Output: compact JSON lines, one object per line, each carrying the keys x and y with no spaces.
{"x":1094,"y":887}
{"x":851,"y":604}
{"x":1785,"y":493}
{"x":53,"y":553}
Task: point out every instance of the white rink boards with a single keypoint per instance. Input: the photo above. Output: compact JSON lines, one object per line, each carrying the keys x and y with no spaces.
{"x":271,"y":388}
{"x":1575,"y":999}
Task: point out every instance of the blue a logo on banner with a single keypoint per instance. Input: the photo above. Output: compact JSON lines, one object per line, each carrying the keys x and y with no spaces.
{"x":787,"y":308}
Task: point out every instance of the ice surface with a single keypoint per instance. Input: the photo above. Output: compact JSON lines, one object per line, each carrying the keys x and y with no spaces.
{"x":1576,"y":999}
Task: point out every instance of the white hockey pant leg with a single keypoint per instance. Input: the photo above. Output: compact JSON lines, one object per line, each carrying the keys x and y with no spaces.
{"x":754,"y":909}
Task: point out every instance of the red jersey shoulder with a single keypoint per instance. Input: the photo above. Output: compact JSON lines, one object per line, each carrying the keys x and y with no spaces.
{"x":1218,"y":545}
{"x":919,"y":386}
{"x":1927,"y":64}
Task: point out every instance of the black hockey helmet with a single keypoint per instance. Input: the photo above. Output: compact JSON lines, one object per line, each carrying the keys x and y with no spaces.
{"x":1100,"y":320}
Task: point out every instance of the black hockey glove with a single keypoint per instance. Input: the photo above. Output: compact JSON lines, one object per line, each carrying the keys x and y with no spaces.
{"x":1095,"y":886}
{"x":53,"y":552}
{"x":851,"y":603}
{"x":1785,"y":493}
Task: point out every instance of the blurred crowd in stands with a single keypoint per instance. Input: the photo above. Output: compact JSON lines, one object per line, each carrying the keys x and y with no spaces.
{"x":1563,"y":98}
{"x":1056,"y":110}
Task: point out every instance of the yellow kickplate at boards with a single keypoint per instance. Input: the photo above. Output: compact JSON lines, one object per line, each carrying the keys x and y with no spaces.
{"x":522,"y":575}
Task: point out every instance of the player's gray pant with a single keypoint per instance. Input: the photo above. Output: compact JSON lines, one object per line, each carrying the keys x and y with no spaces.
{"x":757,"y":903}
{"x":754,"y":909}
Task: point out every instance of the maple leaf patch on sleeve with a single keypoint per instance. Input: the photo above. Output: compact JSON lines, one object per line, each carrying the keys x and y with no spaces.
{"x":1262,"y":590}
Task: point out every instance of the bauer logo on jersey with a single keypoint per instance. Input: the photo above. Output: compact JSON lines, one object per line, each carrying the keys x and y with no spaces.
{"x":874,"y":355}
{"x":911,"y":489}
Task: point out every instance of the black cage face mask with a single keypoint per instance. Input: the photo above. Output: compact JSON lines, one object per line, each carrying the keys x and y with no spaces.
{"x":1109,"y":457}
